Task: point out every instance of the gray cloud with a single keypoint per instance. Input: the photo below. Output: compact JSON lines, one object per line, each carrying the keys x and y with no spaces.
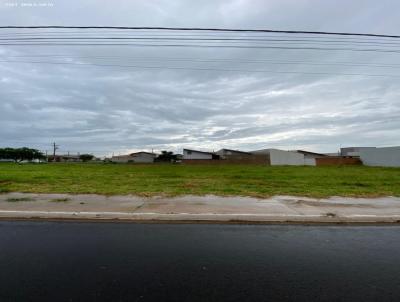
{"x":109,"y":109}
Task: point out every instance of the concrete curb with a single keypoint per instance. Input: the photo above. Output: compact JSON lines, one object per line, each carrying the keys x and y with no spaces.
{"x":202,"y":217}
{"x":199,"y":209}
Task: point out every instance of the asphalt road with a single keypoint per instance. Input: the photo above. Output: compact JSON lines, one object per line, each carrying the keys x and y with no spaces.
{"x":72,"y":261}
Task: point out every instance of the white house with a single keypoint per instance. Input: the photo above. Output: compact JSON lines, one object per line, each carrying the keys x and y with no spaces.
{"x":277,"y":157}
{"x":144,"y":157}
{"x":195,"y":154}
{"x":280,"y":157}
{"x":385,"y":157}
{"x":310,"y":157}
{"x":137,"y":157}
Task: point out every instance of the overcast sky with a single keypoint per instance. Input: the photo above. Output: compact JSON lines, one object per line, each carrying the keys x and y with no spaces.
{"x":105,"y":109}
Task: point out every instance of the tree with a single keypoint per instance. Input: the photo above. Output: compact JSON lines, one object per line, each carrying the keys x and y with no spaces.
{"x":166,"y":156}
{"x":86,"y":157}
{"x":21,"y":154}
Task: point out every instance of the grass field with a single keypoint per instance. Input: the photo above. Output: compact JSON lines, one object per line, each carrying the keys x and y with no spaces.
{"x":165,"y":179}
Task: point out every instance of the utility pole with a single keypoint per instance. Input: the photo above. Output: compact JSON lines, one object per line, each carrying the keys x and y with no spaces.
{"x":55,"y":147}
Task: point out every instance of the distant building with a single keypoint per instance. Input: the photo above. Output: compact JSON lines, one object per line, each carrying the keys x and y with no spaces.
{"x":64,"y":158}
{"x":276,"y":157}
{"x":385,"y":157}
{"x":332,"y":154}
{"x":233,"y":154}
{"x":310,"y":157}
{"x":195,"y":154}
{"x":353,"y":151}
{"x":223,"y":157}
{"x":137,"y":157}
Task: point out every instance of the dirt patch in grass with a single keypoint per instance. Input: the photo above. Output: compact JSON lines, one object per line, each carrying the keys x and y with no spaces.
{"x":59,"y":200}
{"x":15,"y":199}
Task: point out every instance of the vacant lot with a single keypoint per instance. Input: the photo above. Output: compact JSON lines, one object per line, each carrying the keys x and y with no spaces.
{"x":164,"y":179}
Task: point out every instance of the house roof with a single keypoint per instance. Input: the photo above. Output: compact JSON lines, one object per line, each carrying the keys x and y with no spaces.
{"x":142,"y":152}
{"x":124,"y":155}
{"x":311,"y":153}
{"x":236,"y":151}
{"x":198,"y":151}
{"x":357,"y":147}
{"x":264,"y":151}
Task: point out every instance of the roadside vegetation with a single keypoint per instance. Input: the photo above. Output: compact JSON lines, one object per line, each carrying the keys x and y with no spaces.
{"x":166,"y":179}
{"x":21,"y":154}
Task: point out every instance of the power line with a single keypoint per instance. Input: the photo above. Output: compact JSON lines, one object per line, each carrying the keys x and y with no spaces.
{"x":212,"y":60}
{"x":204,"y":69}
{"x":203,"y":29}
{"x":223,"y":35}
{"x":214,"y":40}
{"x":156,"y":39}
{"x":207,"y":46}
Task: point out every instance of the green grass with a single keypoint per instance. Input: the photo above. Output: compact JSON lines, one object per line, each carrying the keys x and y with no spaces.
{"x":165,"y":179}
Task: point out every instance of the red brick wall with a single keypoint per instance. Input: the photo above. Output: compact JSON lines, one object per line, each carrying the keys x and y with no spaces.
{"x":334,"y":161}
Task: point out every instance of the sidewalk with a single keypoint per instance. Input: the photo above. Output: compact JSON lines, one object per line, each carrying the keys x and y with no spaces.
{"x":278,"y":209}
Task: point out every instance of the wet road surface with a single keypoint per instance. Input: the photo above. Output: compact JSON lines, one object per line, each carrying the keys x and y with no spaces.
{"x":78,"y":261}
